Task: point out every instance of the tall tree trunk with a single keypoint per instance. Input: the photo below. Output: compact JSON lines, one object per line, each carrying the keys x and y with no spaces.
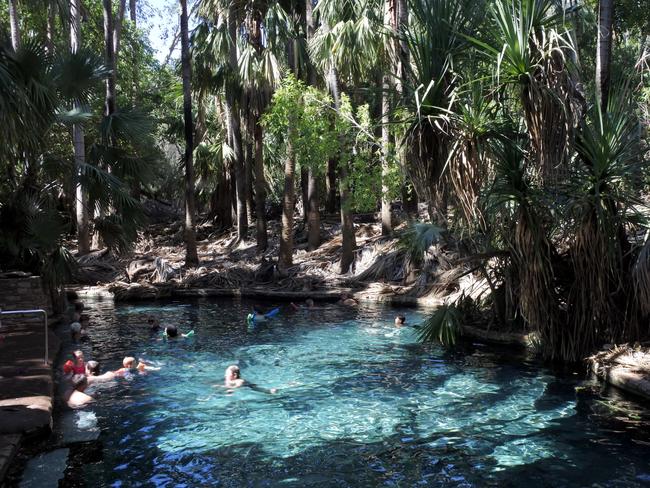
{"x":386,"y":218}
{"x":134,"y":55}
{"x":117,"y":31}
{"x":260,"y":189}
{"x":234,"y":129}
{"x":304,"y":187}
{"x":409,"y":196}
{"x":332,"y":163}
{"x":14,"y":22}
{"x":109,"y":54}
{"x":258,"y":143}
{"x":313,"y":210}
{"x":285,"y":259}
{"x":349,"y":243}
{"x":604,"y":51}
{"x":248,"y":168}
{"x":51,"y":26}
{"x":191,"y":255}
{"x":313,"y":218}
{"x":79,"y":143}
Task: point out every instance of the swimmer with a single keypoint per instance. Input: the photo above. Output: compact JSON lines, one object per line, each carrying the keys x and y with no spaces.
{"x":128,"y":366}
{"x":74,"y":396}
{"x":346,"y":299}
{"x":78,"y":359}
{"x":256,"y":316}
{"x":400,"y":320}
{"x":92,"y":373}
{"x":75,"y":331}
{"x":171,"y":331}
{"x":233,"y":379}
{"x":153,"y":324}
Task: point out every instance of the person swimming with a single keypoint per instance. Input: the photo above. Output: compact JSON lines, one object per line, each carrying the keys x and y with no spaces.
{"x":400,"y":320}
{"x":128,"y":366}
{"x":153,"y":324}
{"x":233,"y":379}
{"x":74,"y":395}
{"x":171,"y":332}
{"x":256,"y":316}
{"x":78,"y":359}
{"x":93,"y":373}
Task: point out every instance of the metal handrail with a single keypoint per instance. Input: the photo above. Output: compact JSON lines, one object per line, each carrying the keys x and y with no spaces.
{"x":24,"y":312}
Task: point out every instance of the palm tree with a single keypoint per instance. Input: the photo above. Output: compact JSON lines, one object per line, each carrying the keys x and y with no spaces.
{"x":191,"y":255}
{"x":604,"y":50}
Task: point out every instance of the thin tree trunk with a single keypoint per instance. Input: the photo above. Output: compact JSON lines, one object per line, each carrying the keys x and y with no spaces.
{"x":348,"y":244}
{"x":191,"y":255}
{"x":79,"y":144}
{"x":134,"y":54}
{"x":234,"y":127}
{"x":51,"y":26}
{"x":386,"y":218}
{"x":313,"y":210}
{"x":260,"y":189}
{"x":409,"y":196}
{"x":332,"y":163}
{"x":313,"y":219}
{"x":304,"y":188}
{"x":109,"y":54}
{"x":604,"y":51}
{"x":258,"y":147}
{"x":117,"y":31}
{"x":248,"y":170}
{"x":285,"y":259}
{"x":14,"y":22}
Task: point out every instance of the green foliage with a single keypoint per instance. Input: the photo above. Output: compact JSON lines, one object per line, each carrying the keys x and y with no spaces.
{"x":418,"y":238}
{"x":305,"y":110}
{"x":444,"y":326}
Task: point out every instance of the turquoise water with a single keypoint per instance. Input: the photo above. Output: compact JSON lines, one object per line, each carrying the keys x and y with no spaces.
{"x":360,"y":403}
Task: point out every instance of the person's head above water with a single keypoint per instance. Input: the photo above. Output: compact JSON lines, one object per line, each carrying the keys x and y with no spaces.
{"x":92,"y":368}
{"x":400,"y":320}
{"x":129,"y":362}
{"x":171,"y":331}
{"x":232,"y":373}
{"x":309,"y":302}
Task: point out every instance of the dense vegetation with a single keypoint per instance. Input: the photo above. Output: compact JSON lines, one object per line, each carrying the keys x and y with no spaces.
{"x":519,"y":128}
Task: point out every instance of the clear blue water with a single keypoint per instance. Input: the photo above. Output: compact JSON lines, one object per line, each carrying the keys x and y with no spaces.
{"x":361,"y":403}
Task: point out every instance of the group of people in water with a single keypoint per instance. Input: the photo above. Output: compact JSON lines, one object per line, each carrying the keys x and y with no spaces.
{"x":78,"y":374}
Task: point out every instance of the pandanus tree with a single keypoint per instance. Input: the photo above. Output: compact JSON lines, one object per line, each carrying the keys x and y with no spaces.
{"x":437,"y":42}
{"x":530,"y":55}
